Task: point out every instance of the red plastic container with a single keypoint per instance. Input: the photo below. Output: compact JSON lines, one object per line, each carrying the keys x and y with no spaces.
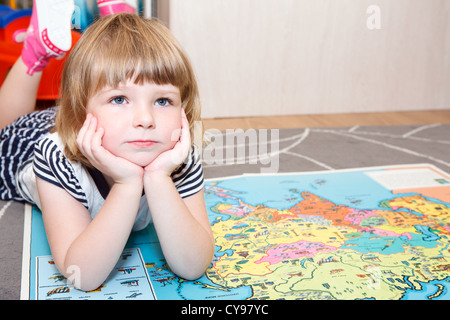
{"x":11,"y":21}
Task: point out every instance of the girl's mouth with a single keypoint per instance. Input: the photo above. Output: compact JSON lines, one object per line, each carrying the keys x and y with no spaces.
{"x":142,"y":143}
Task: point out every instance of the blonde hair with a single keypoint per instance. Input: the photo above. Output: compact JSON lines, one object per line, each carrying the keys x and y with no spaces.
{"x":113,"y":50}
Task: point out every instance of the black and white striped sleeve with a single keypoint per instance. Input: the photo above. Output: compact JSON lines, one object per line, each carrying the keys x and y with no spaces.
{"x":188,"y":178}
{"x":51,"y":165}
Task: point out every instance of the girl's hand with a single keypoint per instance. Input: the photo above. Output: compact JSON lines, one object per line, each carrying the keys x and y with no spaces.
{"x":167,"y":161}
{"x":89,"y":142}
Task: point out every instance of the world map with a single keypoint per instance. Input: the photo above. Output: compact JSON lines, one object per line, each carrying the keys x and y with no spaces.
{"x":371,"y":233}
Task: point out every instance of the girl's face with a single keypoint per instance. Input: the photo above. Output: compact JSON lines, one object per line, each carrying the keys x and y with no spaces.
{"x":140,"y":121}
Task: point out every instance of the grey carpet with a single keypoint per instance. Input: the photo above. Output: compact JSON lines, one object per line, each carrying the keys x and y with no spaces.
{"x":294,"y":150}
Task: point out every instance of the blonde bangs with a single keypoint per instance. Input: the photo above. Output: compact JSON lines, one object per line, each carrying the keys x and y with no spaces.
{"x":139,"y":52}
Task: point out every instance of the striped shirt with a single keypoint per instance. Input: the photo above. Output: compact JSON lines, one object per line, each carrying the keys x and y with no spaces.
{"x":88,"y":186}
{"x":17,"y":147}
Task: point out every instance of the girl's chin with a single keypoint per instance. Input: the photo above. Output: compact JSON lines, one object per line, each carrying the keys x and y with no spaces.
{"x":142,"y":163}
{"x":142,"y":160}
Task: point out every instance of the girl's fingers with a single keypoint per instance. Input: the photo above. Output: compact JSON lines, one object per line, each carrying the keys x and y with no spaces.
{"x":185,"y":130}
{"x":97,"y":137}
{"x":86,"y":134}
{"x":83,"y":130}
{"x":182,"y":135}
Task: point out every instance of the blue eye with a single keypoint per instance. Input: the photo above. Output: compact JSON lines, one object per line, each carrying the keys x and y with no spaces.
{"x":118,"y":100}
{"x":163,"y":102}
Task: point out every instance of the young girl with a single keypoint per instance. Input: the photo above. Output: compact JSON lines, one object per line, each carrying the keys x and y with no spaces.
{"x":120,"y":154}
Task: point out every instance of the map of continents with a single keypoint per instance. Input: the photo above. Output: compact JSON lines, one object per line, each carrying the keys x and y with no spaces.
{"x":330,"y":236}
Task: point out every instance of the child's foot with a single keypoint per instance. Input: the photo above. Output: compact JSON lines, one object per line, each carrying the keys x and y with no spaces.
{"x":107,"y":7}
{"x":49,"y":34}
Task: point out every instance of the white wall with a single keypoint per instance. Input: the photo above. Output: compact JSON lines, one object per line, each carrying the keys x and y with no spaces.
{"x":282,"y":57}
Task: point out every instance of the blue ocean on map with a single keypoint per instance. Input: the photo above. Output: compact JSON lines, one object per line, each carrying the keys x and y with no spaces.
{"x":433,"y":290}
{"x":196,"y":290}
{"x":173,"y":288}
{"x":282,"y":191}
{"x":367,"y":243}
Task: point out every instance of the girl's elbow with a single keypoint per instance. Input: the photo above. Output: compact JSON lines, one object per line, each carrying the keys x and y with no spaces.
{"x":191,"y":274}
{"x":197,"y":269}
{"x":84,"y":281}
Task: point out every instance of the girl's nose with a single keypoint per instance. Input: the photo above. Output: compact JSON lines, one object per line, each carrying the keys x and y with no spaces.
{"x":143,"y":117}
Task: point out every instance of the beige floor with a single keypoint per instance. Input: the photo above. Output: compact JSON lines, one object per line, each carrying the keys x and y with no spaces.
{"x":331,"y":120}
